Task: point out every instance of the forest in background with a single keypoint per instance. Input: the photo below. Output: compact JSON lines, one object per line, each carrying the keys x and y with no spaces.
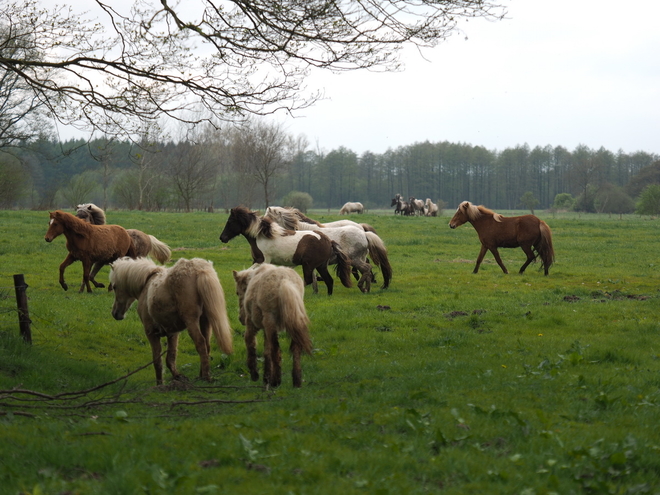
{"x":260,"y":164}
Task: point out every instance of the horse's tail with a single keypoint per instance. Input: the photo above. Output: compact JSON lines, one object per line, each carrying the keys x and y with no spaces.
{"x":545,"y":250}
{"x":368,"y":228}
{"x":343,"y":266}
{"x":160,"y":250}
{"x":213,"y":299}
{"x":378,"y":254}
{"x":294,"y":316}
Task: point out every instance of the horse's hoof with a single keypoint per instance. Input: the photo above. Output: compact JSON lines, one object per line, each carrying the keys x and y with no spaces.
{"x":99,"y":285}
{"x":65,"y":287}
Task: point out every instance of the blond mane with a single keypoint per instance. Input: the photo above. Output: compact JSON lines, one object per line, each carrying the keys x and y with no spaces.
{"x":131,"y":275}
{"x":473,"y":212}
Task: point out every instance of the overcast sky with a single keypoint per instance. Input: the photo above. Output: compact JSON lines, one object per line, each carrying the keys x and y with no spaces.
{"x":556,"y":72}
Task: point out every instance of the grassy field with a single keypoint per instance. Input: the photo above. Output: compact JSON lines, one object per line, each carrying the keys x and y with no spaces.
{"x":448,"y":382}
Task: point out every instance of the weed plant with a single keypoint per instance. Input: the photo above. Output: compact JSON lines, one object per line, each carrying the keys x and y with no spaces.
{"x":448,"y":382}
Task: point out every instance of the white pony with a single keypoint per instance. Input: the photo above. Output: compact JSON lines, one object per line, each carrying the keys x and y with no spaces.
{"x":170,"y":300}
{"x":356,"y":242}
{"x":351,"y":208}
{"x":271,"y":297}
{"x":417,"y":205}
{"x":431,"y":209}
{"x":295,"y":215}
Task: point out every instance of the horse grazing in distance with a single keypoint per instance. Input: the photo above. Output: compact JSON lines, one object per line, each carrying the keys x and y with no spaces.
{"x":170,"y":300}
{"x":430,"y":209}
{"x":310,"y":249}
{"x":144,"y":244}
{"x":527,"y":232}
{"x":271,"y":298}
{"x":355,"y":241}
{"x":351,"y":208}
{"x":96,"y":245}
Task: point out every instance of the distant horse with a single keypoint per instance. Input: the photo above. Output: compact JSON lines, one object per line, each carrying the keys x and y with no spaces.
{"x":430,"y":209}
{"x":527,"y":232}
{"x":310,"y":249}
{"x":271,"y":297}
{"x":144,"y":244}
{"x":356,"y":242}
{"x":297,"y":215}
{"x":417,"y":206}
{"x":96,"y":245}
{"x":402,"y":207}
{"x":351,"y":208}
{"x":170,"y":300}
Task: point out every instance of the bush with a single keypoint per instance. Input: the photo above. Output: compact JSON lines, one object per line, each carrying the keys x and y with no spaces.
{"x":564,"y":201}
{"x":649,"y":201}
{"x":301,"y":200}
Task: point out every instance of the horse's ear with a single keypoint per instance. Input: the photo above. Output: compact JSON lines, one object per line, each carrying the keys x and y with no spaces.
{"x":235,"y":273}
{"x":465,"y":205}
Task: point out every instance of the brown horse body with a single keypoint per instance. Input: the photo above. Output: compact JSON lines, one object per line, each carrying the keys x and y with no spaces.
{"x":170,"y":300}
{"x":528,"y":232}
{"x":271,"y":298}
{"x":96,"y":245}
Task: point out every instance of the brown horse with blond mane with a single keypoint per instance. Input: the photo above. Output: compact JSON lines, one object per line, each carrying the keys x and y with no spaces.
{"x":527,"y":232}
{"x":96,"y":245}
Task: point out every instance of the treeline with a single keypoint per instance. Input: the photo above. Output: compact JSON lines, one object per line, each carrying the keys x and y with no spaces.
{"x":260,"y":164}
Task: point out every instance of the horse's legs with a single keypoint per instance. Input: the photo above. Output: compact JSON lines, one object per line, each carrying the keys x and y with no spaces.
{"x":296,"y":372}
{"x":327,"y":278}
{"x":251,"y":346}
{"x":480,"y":258}
{"x":95,"y":269}
{"x":155,"y":355}
{"x":498,"y":259}
{"x":364,"y":282}
{"x":202,"y":348}
{"x":530,"y":257}
{"x":170,"y":359}
{"x":87,"y":265}
{"x":308,"y":277}
{"x":67,"y":261}
{"x":272,"y":354}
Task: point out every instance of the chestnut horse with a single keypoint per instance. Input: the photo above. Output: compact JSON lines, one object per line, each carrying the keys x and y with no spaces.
{"x":144,"y":244}
{"x":170,"y":300}
{"x":271,"y":297}
{"x":527,"y":232}
{"x":271,"y":243}
{"x":96,"y":245}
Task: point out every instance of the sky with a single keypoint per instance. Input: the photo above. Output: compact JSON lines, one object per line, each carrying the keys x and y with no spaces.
{"x":555,"y":72}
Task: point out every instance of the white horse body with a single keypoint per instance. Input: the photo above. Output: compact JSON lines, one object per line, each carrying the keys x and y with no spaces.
{"x":351,"y":207}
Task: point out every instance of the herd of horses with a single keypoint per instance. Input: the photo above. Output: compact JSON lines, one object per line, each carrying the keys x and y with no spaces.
{"x":414,"y":207}
{"x":188,"y":295}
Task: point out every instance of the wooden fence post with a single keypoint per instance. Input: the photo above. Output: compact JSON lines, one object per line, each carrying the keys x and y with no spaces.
{"x":21,"y":301}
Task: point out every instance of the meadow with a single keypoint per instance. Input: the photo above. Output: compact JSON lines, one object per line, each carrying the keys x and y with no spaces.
{"x":447,"y":382}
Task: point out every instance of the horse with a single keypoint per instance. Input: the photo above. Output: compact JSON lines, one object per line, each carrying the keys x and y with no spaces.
{"x":273,"y":244}
{"x":431,"y":208}
{"x":356,"y":242}
{"x":296,"y":215}
{"x":417,"y":206}
{"x":144,"y":244}
{"x":186,"y":296}
{"x":271,"y":298}
{"x":351,"y":208}
{"x":527,"y":232}
{"x":96,"y":245}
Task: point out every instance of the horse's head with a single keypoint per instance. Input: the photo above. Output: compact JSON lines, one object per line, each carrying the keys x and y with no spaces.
{"x":55,"y":226}
{"x":127,"y":279}
{"x":242,"y":280}
{"x":240,"y":218}
{"x":461,"y":216}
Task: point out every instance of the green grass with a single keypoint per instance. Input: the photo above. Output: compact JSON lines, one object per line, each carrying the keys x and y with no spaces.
{"x":448,"y":382}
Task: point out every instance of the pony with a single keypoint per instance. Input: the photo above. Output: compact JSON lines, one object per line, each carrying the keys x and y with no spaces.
{"x":144,"y":244}
{"x":271,"y":298}
{"x":296,"y":215}
{"x":417,"y":206}
{"x":186,"y":296}
{"x":527,"y":232}
{"x":402,"y":207}
{"x":431,"y":209}
{"x":356,"y":242}
{"x":270,"y":243}
{"x":96,"y":245}
{"x":351,"y":208}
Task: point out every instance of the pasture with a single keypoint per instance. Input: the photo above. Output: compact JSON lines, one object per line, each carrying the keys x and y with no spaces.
{"x":447,"y":382}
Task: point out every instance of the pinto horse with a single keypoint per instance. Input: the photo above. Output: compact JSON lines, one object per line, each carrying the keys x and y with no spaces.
{"x":527,"y":232}
{"x":96,"y":245}
{"x":144,"y":244}
{"x":271,"y":297}
{"x":170,"y":300}
{"x":271,"y":243}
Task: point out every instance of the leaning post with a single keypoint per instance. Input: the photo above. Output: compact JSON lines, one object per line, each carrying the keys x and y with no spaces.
{"x":21,"y":301}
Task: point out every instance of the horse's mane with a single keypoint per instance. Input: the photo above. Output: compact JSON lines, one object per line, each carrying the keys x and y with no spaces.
{"x":254,"y":225}
{"x":91,"y":213}
{"x":72,"y":222}
{"x":474,"y":212}
{"x":132,"y":274}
